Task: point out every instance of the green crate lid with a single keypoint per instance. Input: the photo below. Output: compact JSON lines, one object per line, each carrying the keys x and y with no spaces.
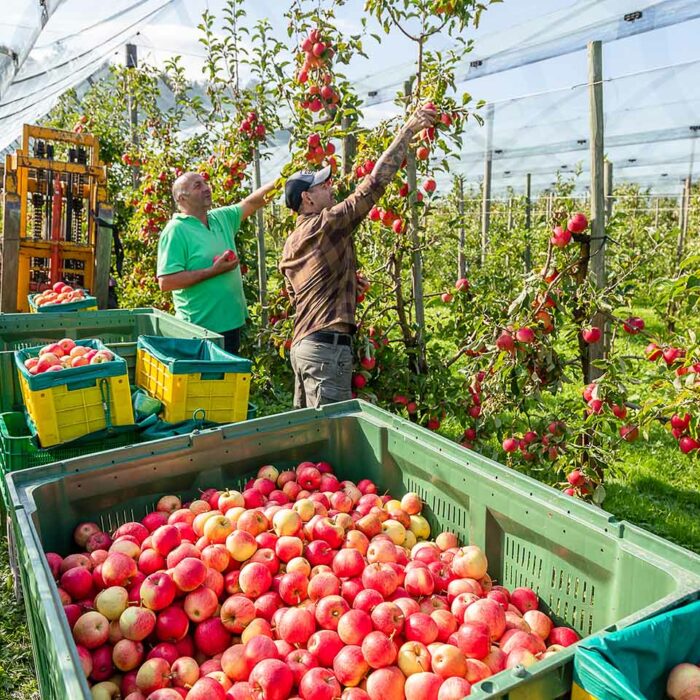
{"x":192,"y":356}
{"x":72,"y":375}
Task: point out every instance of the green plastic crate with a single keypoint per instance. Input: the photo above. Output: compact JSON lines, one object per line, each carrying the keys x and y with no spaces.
{"x":590,"y":570}
{"x":118,"y":329}
{"x":19,"y":449}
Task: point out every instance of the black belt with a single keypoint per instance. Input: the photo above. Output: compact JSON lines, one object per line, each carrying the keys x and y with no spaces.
{"x":330,"y":338}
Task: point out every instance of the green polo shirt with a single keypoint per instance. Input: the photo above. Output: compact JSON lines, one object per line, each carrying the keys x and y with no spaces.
{"x":217,"y":304}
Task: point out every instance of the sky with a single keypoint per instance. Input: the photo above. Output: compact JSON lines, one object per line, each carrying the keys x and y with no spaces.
{"x":555,"y":104}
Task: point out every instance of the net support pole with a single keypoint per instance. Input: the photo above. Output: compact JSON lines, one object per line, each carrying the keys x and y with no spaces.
{"x":608,"y":189}
{"x":597,"y":271}
{"x":461,"y":258}
{"x":685,"y":211}
{"x":132,"y":62}
{"x":528,"y":223}
{"x":260,"y":235}
{"x":417,"y":262}
{"x":486,"y":188}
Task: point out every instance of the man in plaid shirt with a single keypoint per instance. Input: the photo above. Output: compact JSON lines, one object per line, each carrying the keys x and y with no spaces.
{"x":320,"y":269}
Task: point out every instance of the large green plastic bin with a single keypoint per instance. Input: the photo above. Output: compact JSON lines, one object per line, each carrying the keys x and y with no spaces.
{"x":118,"y":329}
{"x":590,"y":570}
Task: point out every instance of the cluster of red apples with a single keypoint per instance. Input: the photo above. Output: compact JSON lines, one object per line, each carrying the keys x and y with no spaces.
{"x":300,"y":586}
{"x":60,"y":293}
{"x":65,"y":354}
{"x":315,"y":75}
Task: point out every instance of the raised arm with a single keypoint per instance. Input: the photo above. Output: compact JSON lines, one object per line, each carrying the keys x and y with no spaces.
{"x":255,"y":200}
{"x":355,"y":207}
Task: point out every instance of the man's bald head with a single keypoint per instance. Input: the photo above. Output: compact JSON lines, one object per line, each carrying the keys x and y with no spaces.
{"x":192,"y":193}
{"x":182,"y":185}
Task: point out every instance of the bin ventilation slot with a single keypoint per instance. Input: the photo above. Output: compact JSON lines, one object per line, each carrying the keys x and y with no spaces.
{"x":570,"y":597}
{"x":110,"y":521}
{"x":446,"y":515}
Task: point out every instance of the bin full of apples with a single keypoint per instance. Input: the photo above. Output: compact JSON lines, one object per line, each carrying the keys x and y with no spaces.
{"x":299,"y":586}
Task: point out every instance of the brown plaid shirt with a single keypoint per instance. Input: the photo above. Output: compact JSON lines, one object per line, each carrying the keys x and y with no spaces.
{"x":318,"y":261}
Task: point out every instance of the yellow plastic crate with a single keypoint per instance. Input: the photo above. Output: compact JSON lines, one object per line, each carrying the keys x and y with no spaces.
{"x":79,"y":401}
{"x":578,"y":693}
{"x":193,"y":376}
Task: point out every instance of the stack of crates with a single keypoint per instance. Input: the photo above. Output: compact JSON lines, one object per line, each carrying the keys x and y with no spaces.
{"x":193,"y":378}
{"x":118,"y":329}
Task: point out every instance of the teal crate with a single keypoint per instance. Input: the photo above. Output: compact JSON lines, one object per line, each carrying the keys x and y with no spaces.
{"x":590,"y":570}
{"x":118,"y":329}
{"x":89,"y":303}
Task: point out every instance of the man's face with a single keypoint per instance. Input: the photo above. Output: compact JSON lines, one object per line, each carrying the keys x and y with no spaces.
{"x":196,"y":194}
{"x":321,"y":196}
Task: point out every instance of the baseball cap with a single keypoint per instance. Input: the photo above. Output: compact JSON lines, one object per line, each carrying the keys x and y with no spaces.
{"x":301,"y":182}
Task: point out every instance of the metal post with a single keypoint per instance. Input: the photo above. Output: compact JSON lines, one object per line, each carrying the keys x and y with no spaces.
{"x":509,"y":225}
{"x":132,"y":62}
{"x":528,"y":222}
{"x":608,"y":185}
{"x":683,"y":232}
{"x":349,"y":146}
{"x":656,"y":213}
{"x":417,"y":257}
{"x":260,"y":232}
{"x":103,"y":250}
{"x":597,"y":150}
{"x":486,"y":189}
{"x":461,"y":258}
{"x":11,"y":216}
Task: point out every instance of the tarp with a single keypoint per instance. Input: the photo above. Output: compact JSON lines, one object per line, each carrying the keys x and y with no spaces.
{"x":633,"y":663}
{"x":192,"y":356}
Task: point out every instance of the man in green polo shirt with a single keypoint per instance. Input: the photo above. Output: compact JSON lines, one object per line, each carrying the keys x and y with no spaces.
{"x":207,"y":285}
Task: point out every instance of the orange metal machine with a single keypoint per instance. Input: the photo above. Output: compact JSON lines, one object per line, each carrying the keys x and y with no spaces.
{"x":57,"y":222}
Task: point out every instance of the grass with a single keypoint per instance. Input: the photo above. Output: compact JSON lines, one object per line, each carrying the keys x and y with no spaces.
{"x":17,"y":678}
{"x":657,"y":489}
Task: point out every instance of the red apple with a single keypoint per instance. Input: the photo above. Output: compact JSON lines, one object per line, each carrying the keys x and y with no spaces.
{"x":137,"y":623}
{"x":272,"y":678}
{"x":172,"y":624}
{"x":349,"y":666}
{"x":524,"y":599}
{"x":423,"y":686}
{"x":91,"y":630}
{"x":296,"y":625}
{"x":386,"y":684}
{"x":319,"y":684}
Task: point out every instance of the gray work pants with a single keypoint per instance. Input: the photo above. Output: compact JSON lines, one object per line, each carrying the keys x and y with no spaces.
{"x":322,"y":373}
